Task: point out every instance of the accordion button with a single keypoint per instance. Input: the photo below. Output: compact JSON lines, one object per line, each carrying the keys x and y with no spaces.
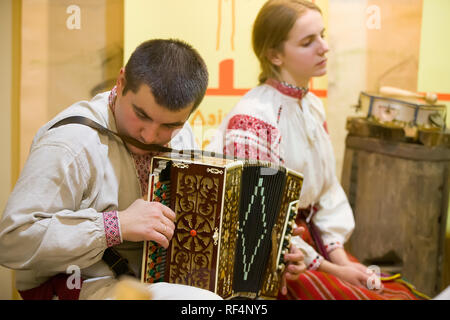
{"x":193,"y":233}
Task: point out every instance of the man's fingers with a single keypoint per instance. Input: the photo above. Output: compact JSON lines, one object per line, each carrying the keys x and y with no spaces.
{"x":167,"y":211}
{"x":159,"y":238}
{"x":166,"y":229}
{"x":168,"y":223}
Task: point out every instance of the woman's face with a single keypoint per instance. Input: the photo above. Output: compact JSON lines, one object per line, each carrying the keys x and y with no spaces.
{"x":303,"y":53}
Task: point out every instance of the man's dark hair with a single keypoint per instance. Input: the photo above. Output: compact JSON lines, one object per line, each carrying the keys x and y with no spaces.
{"x":174,"y":71}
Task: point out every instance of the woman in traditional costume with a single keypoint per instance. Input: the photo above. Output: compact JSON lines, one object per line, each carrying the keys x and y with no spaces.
{"x":281,"y":121}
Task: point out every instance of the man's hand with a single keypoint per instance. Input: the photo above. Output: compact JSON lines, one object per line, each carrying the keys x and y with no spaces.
{"x":144,"y":220}
{"x":295,"y":265}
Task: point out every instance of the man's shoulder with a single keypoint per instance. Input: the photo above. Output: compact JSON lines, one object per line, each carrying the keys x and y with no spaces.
{"x":75,"y":136}
{"x":96,"y":109}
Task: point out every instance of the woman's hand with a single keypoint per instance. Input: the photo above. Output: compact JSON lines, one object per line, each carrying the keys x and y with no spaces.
{"x":353,"y":272}
{"x":346,"y":273}
{"x":339,"y":257}
{"x":353,"y":276}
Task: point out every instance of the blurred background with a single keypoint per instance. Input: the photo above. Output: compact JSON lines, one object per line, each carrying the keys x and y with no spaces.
{"x":57,"y":52}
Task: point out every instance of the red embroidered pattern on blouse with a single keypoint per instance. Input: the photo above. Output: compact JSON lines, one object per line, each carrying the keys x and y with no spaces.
{"x":143,"y":163}
{"x":287,"y":89}
{"x":261,"y":129}
{"x":112,"y":98}
{"x":279,"y":114}
{"x":112,"y":229}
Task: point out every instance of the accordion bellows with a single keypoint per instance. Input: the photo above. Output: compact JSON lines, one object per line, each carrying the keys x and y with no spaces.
{"x":234,"y":221}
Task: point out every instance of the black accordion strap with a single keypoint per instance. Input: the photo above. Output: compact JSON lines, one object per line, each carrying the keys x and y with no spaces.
{"x":117,"y":263}
{"x":150,"y":147}
{"x":94,"y":125}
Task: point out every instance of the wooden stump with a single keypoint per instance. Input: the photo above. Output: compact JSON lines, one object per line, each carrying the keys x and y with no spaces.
{"x":399,"y":192}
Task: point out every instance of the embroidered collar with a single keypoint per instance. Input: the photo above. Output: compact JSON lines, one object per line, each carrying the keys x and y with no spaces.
{"x":287,"y":89}
{"x":112,"y":98}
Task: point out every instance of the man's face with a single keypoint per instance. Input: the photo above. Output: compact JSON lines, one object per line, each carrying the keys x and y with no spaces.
{"x":139,"y":116}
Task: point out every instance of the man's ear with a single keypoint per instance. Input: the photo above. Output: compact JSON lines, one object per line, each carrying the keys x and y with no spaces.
{"x":120,"y":82}
{"x":274,"y":56}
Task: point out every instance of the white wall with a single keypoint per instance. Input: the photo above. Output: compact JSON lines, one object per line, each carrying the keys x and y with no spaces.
{"x":346,"y":69}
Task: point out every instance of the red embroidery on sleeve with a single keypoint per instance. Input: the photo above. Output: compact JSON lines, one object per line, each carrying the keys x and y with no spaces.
{"x":254,"y":125}
{"x":261,"y":144}
{"x":112,"y":231}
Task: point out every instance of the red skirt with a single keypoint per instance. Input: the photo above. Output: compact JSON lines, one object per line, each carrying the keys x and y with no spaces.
{"x":317,"y":285}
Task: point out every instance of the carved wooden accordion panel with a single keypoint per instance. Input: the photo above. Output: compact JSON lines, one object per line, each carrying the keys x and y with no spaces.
{"x":234,"y":221}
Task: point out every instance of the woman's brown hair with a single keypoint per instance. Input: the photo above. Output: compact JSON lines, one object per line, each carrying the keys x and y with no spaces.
{"x":271,"y":28}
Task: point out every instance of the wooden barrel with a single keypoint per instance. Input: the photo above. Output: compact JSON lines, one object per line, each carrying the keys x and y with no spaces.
{"x":398,"y":187}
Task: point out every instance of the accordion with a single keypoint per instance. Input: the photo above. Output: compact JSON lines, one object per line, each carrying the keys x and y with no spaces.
{"x":234,"y":221}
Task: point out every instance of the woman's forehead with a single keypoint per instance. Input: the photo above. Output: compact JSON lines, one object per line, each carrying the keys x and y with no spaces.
{"x":310,"y":23}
